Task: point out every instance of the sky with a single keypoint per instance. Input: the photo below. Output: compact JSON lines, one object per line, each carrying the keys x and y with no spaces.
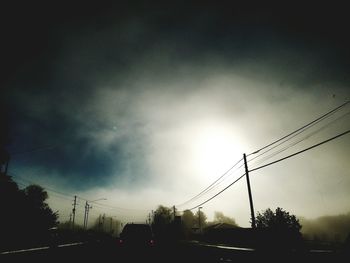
{"x":147,"y":104}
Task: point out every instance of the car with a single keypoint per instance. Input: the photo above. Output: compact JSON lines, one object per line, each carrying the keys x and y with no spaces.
{"x":136,"y":235}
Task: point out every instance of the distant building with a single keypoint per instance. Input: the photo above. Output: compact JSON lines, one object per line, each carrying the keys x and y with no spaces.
{"x":223,"y":233}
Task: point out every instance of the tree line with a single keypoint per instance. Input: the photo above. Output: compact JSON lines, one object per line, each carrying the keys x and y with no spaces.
{"x":26,"y":218}
{"x":277,"y":228}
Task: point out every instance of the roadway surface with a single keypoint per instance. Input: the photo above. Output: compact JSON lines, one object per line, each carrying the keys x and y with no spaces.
{"x":177,"y":252}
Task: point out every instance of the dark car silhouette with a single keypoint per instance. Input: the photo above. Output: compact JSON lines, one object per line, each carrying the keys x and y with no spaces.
{"x":136,"y":235}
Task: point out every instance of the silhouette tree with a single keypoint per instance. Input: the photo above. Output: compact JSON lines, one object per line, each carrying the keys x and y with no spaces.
{"x":26,"y":218}
{"x":280,"y":228}
{"x":278,"y":220}
{"x":11,"y":203}
{"x":188,"y":219}
{"x":162,"y":215}
{"x":162,"y":222}
{"x":40,"y":216}
{"x":188,"y":223}
{"x":24,"y":213}
{"x":200,"y":219}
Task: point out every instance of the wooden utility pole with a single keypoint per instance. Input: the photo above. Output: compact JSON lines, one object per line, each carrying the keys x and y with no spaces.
{"x":199,"y":220}
{"x":85,"y":214}
{"x":249,"y":191}
{"x":99,"y":223}
{"x":73,"y":210}
{"x":111,"y":225}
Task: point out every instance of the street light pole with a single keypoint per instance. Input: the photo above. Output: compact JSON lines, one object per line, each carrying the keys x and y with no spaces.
{"x":199,"y":219}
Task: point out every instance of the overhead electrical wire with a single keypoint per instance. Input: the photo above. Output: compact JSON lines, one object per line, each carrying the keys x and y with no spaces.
{"x":206,"y":201}
{"x":304,"y":150}
{"x":208,"y":188}
{"x":285,"y":138}
{"x":46,"y":188}
{"x":119,"y":208}
{"x":297,"y":142}
{"x":301,"y":128}
{"x":282,"y":140}
{"x":44,"y":148}
{"x":301,"y":131}
{"x":271,"y":163}
{"x":65,"y":195}
{"x":284,"y":158}
{"x":58,"y":194}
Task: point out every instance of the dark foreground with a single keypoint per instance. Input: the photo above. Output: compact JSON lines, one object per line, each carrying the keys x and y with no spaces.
{"x":176,"y":252}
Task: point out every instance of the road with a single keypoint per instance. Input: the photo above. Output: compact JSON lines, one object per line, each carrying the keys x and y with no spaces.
{"x":177,"y":252}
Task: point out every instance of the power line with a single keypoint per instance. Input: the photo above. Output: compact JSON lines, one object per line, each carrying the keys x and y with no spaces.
{"x":112,"y":207}
{"x":71,"y":195}
{"x":64,"y":196}
{"x":35,"y":150}
{"x":309,"y":148}
{"x":53,"y":193}
{"x":208,"y":188}
{"x":296,"y":132}
{"x":212,"y":185}
{"x":206,"y":201}
{"x":59,"y":196}
{"x":46,"y":188}
{"x":303,"y":127}
{"x":118,"y":208}
{"x":282,"y":140}
{"x":260,"y":167}
{"x":295,"y":143}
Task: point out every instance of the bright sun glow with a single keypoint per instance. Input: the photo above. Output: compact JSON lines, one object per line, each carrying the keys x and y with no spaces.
{"x":216,"y":149}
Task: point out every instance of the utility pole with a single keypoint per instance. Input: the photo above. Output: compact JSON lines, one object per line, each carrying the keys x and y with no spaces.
{"x":111,"y":226}
{"x":99,"y":223}
{"x":249,"y":191}
{"x":85,"y":213}
{"x":199,"y":219}
{"x":87,"y":208}
{"x":174,"y":212}
{"x":103,"y":223}
{"x":73,"y":210}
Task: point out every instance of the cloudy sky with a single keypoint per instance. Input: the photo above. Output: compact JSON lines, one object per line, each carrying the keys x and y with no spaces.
{"x":149,"y":104}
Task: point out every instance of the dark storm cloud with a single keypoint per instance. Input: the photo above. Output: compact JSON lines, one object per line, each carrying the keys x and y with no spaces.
{"x":59,"y":56}
{"x":53,"y":142}
{"x":105,"y":39}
